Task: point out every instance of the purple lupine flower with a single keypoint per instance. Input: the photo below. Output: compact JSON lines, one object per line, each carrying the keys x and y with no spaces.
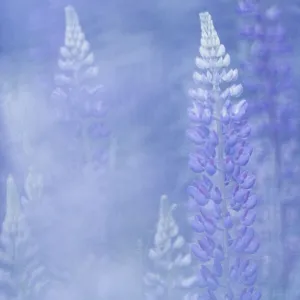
{"x":268,"y":64}
{"x":223,"y":188}
{"x":79,"y":106}
{"x":269,"y":73}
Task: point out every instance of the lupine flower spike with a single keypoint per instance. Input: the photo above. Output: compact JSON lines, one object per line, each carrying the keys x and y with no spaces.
{"x":275,"y":119}
{"x":171,"y":260}
{"x":79,"y":107}
{"x":23,"y":276}
{"x":223,"y":188}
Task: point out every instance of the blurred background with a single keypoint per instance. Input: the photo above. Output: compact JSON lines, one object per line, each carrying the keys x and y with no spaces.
{"x":145,"y":53}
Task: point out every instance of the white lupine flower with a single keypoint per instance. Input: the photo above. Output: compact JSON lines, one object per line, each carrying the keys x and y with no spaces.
{"x":24,"y":277}
{"x":169,"y":256}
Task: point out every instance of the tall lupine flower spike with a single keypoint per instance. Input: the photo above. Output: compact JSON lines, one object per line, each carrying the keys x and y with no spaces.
{"x":22,"y":274}
{"x":222,"y":191}
{"x":31,"y":208}
{"x":268,"y":64}
{"x":76,"y":63}
{"x":170,"y":259}
{"x":275,"y":118}
{"x":77,"y":98}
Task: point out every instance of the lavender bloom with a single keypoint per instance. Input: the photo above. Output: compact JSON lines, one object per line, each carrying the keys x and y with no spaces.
{"x":222,"y":192}
{"x":170,"y":274}
{"x":267,"y":63}
{"x":275,"y":116}
{"x":271,"y":82}
{"x":22,"y":273}
{"x":79,"y":109}
{"x":77,"y":72}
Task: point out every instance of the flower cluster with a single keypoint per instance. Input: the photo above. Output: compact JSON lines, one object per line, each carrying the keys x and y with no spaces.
{"x":274,"y":116}
{"x":79,"y":108}
{"x":222,"y":192}
{"x":23,"y":275}
{"x":170,"y":274}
